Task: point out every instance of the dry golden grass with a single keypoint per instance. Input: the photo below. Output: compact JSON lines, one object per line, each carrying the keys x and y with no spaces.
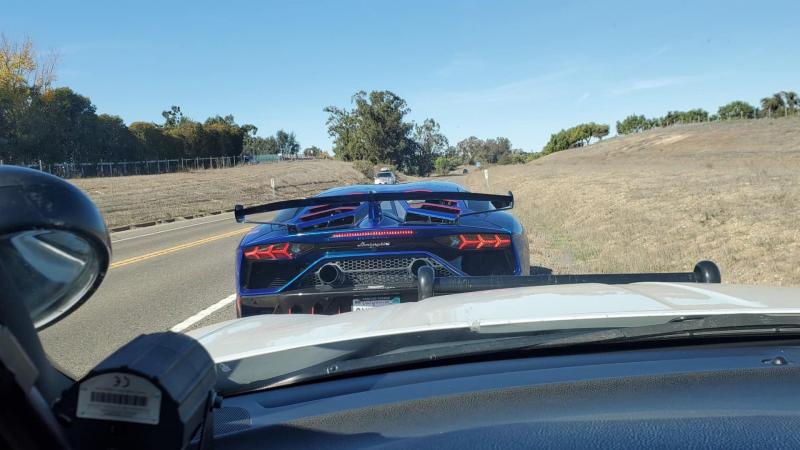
{"x":139,"y":199}
{"x":664,"y":199}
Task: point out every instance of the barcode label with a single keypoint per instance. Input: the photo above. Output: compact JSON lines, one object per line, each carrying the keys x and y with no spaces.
{"x":119,"y":399}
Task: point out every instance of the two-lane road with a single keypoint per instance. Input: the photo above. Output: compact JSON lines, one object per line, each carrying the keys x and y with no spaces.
{"x":176,"y":276}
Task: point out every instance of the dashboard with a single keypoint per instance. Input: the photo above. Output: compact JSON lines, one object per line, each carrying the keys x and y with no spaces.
{"x":724,"y":395}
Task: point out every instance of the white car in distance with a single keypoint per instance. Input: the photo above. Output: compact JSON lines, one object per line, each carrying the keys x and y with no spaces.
{"x":385,"y":177}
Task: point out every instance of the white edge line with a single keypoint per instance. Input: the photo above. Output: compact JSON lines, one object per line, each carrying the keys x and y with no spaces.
{"x":203,"y":314}
{"x":170,"y":229}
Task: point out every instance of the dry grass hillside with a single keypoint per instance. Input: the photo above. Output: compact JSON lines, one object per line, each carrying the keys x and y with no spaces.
{"x":138,"y":199}
{"x":663,"y":199}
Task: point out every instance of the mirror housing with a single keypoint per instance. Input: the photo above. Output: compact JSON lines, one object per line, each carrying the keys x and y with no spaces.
{"x":49,"y":229}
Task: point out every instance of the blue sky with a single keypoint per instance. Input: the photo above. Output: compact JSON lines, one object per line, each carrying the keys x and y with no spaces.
{"x":494,"y":68}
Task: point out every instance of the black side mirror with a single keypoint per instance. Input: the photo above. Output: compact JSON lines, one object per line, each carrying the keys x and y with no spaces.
{"x":54,"y":245}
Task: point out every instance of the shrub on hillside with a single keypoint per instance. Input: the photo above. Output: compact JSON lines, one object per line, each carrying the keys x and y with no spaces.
{"x":365,"y":167}
{"x":515,"y":158}
{"x":443,"y":164}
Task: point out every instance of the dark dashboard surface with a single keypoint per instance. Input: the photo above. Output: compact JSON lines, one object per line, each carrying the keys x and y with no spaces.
{"x":711,"y":396}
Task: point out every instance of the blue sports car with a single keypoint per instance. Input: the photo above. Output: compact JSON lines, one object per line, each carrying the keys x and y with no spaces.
{"x":361,"y":246}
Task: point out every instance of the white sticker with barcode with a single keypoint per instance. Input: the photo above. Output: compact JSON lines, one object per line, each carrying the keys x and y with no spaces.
{"x":121,"y":397}
{"x":361,"y":304}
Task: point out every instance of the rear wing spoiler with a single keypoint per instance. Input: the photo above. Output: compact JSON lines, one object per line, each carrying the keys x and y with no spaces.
{"x":501,"y":202}
{"x":429,"y":285}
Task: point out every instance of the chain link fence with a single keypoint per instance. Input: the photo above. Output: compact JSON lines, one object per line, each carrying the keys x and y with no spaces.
{"x":154,"y":167}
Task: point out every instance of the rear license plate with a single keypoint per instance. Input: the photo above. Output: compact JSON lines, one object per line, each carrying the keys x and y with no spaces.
{"x":360,"y":304}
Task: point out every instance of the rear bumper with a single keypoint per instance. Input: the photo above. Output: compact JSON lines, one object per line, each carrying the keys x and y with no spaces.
{"x":313,"y":301}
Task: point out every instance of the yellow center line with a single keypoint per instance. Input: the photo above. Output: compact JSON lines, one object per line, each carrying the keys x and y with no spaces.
{"x":165,"y":251}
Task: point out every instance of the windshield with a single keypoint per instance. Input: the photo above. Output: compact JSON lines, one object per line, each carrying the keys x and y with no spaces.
{"x":657,"y":145}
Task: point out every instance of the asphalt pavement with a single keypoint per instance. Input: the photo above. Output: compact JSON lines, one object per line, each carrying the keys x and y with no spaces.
{"x":177,"y":276}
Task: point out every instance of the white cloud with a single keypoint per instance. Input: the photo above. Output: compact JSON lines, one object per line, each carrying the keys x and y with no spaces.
{"x":660,"y":51}
{"x":460,"y":65}
{"x":523,"y":90}
{"x":70,"y":49}
{"x":654,"y":83}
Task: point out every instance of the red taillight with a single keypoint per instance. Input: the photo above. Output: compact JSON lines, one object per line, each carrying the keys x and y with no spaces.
{"x":373,"y":233}
{"x":482,"y":241}
{"x":270,"y":252}
{"x":281,"y":251}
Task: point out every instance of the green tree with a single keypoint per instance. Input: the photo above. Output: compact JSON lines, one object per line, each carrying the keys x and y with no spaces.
{"x":23,"y":77}
{"x":577,"y":136}
{"x":430,"y":143}
{"x":443,"y":165}
{"x":172,"y":117}
{"x":114,"y":140}
{"x":599,"y":131}
{"x":21,"y":68}
{"x":59,"y":126}
{"x":495,"y":150}
{"x":373,"y":130}
{"x":256,"y":145}
{"x":736,"y":110}
{"x":489,"y":151}
{"x":189,"y":139}
{"x":153,"y":142}
{"x":223,"y":137}
{"x":771,"y":105}
{"x":695,"y":115}
{"x":313,"y":151}
{"x":679,"y":117}
{"x":791,"y":102}
{"x":633,"y":124}
{"x":517,"y":156}
{"x":558,"y":142}
{"x":287,"y":143}
{"x":468,"y":148}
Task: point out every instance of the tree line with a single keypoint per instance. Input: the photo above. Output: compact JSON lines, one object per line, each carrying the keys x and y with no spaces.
{"x":780,"y":104}
{"x":39,"y":122}
{"x":578,"y":136}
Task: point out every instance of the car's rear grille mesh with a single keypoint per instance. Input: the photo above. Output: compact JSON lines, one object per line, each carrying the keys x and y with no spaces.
{"x":394,"y":271}
{"x":277,"y":282}
{"x":374,"y":264}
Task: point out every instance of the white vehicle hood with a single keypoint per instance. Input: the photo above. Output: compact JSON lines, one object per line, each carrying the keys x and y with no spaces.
{"x":531,"y":308}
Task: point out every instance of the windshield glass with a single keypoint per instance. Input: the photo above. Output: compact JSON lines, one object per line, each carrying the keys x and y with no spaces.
{"x":559,"y":166}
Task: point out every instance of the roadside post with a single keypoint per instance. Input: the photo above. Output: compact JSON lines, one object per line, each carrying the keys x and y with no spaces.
{"x":486,"y":175}
{"x":272,"y":183}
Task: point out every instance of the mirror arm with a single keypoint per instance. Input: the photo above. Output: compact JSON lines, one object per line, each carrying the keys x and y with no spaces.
{"x":50,"y":382}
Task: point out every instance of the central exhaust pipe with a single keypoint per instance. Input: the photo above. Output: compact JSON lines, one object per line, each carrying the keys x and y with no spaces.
{"x":330,"y":274}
